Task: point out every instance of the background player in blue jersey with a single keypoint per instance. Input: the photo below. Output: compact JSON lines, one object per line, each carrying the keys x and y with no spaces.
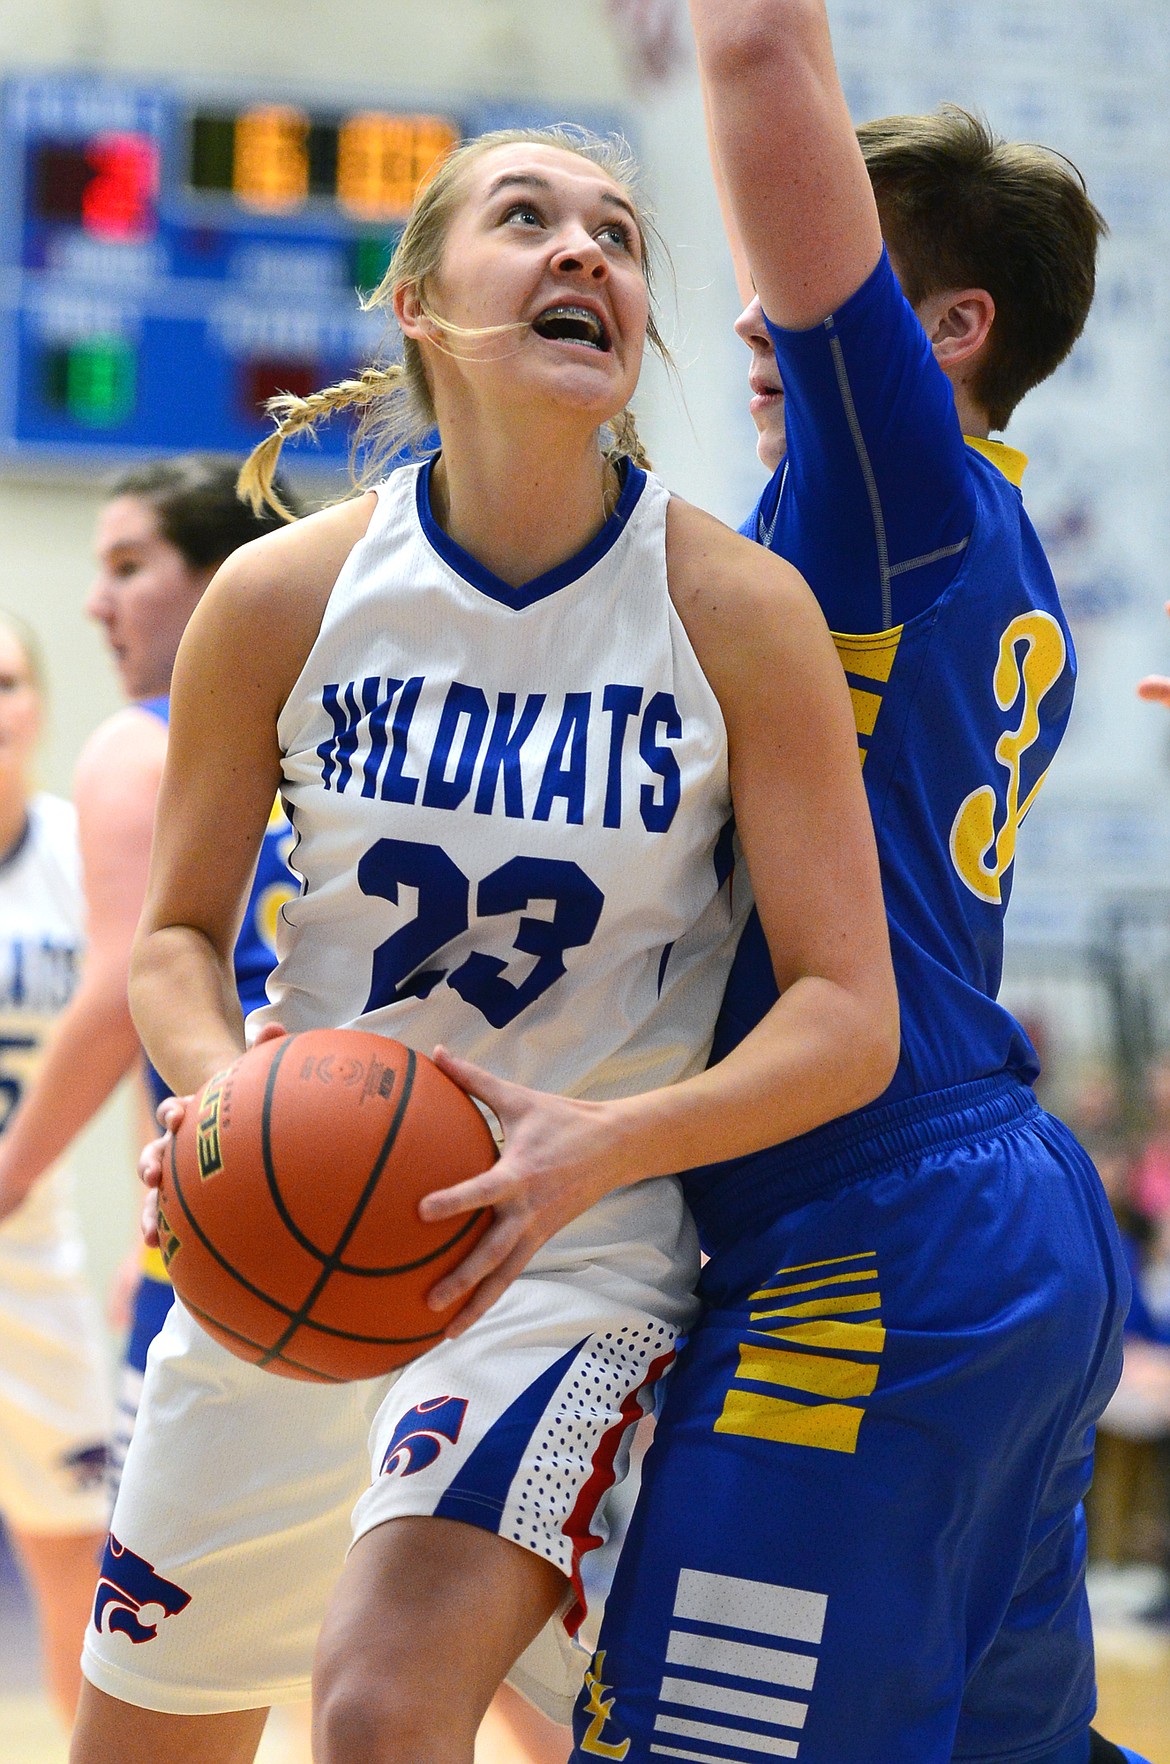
{"x":861,"y":1536}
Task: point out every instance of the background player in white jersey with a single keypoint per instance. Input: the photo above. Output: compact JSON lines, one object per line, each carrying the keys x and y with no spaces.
{"x":160,"y":537}
{"x":636,"y":666}
{"x":54,"y":1411}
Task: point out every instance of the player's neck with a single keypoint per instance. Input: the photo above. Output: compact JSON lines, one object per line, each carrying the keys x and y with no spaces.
{"x":520,"y":510}
{"x":973,"y":419}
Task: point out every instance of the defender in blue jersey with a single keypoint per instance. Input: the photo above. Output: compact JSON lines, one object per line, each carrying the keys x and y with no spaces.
{"x":860,"y":1538}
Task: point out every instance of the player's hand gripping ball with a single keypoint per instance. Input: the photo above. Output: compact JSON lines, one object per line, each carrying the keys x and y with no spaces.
{"x":288,"y":1210}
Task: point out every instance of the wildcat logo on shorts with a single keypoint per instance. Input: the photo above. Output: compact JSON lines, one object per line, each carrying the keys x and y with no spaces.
{"x":87,"y":1465}
{"x":127,"y":1589}
{"x":418,"y":1438}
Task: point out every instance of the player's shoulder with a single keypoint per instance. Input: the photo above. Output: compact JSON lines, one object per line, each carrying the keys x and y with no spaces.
{"x":128,"y":747}
{"x":728,"y":589}
{"x":269,"y":597}
{"x":750,"y":616}
{"x":304,"y":558}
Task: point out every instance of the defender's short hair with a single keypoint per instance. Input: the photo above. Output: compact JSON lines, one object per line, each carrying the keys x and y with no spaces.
{"x":961,"y":208}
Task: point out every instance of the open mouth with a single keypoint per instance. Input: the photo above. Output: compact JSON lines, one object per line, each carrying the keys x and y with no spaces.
{"x":573,"y":324}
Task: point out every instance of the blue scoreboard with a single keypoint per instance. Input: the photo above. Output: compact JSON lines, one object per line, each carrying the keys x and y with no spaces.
{"x":170,"y":259}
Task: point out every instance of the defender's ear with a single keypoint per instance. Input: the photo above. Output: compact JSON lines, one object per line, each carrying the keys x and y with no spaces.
{"x":958,"y":323}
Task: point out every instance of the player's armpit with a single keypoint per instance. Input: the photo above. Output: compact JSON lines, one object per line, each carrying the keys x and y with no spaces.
{"x":796,"y":183}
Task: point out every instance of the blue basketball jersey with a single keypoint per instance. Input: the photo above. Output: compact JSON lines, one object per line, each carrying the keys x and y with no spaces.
{"x":959,"y":662}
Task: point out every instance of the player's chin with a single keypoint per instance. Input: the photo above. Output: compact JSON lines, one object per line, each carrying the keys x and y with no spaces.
{"x":771,"y":442}
{"x":592,"y":378}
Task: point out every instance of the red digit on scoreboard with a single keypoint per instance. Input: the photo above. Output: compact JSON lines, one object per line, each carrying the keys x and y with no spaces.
{"x":119,"y":200}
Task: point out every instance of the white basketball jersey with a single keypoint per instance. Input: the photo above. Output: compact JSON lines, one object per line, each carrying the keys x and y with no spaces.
{"x":512,"y":808}
{"x":41,"y":939}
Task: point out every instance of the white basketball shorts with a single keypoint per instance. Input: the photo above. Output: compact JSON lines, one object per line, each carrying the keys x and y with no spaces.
{"x":242,"y":1491}
{"x":54,"y":1400}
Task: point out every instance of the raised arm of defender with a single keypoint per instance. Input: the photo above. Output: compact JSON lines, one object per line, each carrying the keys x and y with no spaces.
{"x":795,"y":181}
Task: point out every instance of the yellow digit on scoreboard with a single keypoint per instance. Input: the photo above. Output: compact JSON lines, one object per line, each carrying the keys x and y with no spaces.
{"x":383,"y":161}
{"x":271,"y":165}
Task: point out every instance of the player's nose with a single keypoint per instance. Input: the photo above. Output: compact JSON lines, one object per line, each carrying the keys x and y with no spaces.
{"x":750,"y":327}
{"x":98,"y":602}
{"x":578,"y":252}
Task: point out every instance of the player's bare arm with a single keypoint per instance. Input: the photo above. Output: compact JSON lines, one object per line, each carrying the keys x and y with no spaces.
{"x":240,"y":656}
{"x":830,"y":1044}
{"x":94,"y":1044}
{"x":796,"y":184}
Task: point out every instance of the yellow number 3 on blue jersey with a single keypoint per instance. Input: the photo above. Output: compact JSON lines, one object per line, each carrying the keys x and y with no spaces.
{"x":981,"y":854}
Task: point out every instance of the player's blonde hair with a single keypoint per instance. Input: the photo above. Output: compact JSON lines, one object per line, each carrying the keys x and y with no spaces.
{"x":392,"y":400}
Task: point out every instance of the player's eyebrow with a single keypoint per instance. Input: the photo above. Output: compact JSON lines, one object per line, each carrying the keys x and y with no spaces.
{"x":534,"y":181}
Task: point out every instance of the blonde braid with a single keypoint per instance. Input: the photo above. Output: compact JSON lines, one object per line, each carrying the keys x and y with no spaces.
{"x":300,"y":416}
{"x":627,"y":443}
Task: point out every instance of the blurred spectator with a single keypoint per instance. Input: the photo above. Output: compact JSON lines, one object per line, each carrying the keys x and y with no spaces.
{"x":1150,"y":1179}
{"x":1131,"y":1502}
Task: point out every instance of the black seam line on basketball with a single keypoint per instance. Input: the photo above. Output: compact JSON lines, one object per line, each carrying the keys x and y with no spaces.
{"x":270,"y":1299}
{"x":329,"y":1267}
{"x":285,"y":1359}
{"x":216,"y":1255}
{"x":290,"y":1224}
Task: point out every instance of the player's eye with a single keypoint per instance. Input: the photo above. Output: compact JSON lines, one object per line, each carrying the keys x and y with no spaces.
{"x":524,"y":214}
{"x":10,"y":682}
{"x":619,"y":234}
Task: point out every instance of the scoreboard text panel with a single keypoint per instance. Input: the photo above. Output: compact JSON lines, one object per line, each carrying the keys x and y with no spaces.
{"x":170,"y":260}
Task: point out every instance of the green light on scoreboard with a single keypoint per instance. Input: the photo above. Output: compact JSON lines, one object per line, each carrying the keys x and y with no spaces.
{"x":93,"y":380}
{"x":371,"y":260}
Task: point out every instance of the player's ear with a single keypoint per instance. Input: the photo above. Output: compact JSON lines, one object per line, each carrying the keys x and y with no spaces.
{"x":410,"y":310}
{"x":958,"y":323}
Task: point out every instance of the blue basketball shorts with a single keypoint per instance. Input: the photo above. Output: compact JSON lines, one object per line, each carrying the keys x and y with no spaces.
{"x":860,"y":1537}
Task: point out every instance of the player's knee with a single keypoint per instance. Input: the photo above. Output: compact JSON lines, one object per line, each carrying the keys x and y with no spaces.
{"x":383,"y":1716}
{"x":352,"y":1719}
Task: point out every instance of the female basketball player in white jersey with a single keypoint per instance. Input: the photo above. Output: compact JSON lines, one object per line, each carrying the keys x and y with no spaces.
{"x":509,"y":699}
{"x":54,"y":1412}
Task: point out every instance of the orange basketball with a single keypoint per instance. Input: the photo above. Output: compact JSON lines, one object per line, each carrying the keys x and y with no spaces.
{"x":288,"y":1212}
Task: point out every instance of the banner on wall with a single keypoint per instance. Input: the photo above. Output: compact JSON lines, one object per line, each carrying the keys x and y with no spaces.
{"x":654,"y":34}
